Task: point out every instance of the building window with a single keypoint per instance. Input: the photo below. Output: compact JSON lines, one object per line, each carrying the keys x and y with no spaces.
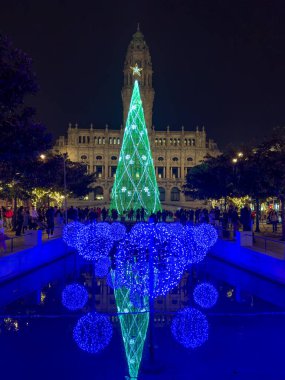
{"x":160,"y":171}
{"x":110,"y":140}
{"x":79,"y":140}
{"x":118,"y":140}
{"x":175,"y":194}
{"x":175,"y":172}
{"x":175,"y":159}
{"x":83,"y":139}
{"x":189,"y":159}
{"x":164,"y":141}
{"x":193,"y":142}
{"x":99,"y":171}
{"x":185,"y":141}
{"x":156,"y":141}
{"x":171,"y":141}
{"x":84,"y":157}
{"x":160,"y":141}
{"x":88,"y":140}
{"x":113,"y":158}
{"x":103,"y":140}
{"x":99,"y":140}
{"x":98,"y":193}
{"x":114,"y":141}
{"x":113,"y":171}
{"x":161,"y":194}
{"x":99,"y":158}
{"x":187,"y":170}
{"x":175,"y":141}
{"x":178,"y":141}
{"x":95,"y":140}
{"x":160,"y":158}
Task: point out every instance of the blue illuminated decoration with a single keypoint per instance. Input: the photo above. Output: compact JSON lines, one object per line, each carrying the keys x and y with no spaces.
{"x":114,"y":280}
{"x":193,"y":252}
{"x":95,"y":241}
{"x":70,"y":233}
{"x":93,"y":332}
{"x":74,"y":296}
{"x":118,"y":231}
{"x":138,"y":301}
{"x":151,"y":259}
{"x":205,"y":235}
{"x":190,"y":328}
{"x":102,"y":267}
{"x":205,"y":295}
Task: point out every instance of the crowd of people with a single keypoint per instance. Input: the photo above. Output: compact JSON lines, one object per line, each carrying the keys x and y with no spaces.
{"x":46,"y":218}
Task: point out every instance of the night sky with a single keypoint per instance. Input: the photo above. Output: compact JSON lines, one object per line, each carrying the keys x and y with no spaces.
{"x":216,"y":63}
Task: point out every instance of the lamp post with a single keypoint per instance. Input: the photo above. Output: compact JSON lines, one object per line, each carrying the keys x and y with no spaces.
{"x":64,"y":185}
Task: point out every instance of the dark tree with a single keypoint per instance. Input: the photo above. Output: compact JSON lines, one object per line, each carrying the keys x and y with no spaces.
{"x":22,"y":139}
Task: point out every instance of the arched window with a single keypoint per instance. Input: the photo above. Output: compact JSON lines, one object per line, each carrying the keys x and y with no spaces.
{"x":103,"y":140}
{"x":95,"y":140}
{"x":175,"y":194}
{"x":175,"y":159}
{"x":185,"y":141}
{"x":98,"y":193}
{"x":161,"y":194}
{"x":156,"y":141}
{"x":160,"y":158}
{"x":113,"y":158}
{"x":99,"y":140}
{"x":170,"y":141}
{"x":114,"y":140}
{"x":118,"y":140}
{"x":160,"y":141}
{"x":110,"y":140}
{"x":164,"y":141}
{"x":189,"y":159}
{"x":83,"y":157}
{"x":99,"y":158}
{"x":88,"y":140}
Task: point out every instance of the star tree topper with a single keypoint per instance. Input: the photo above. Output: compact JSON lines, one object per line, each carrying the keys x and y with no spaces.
{"x":136,"y":70}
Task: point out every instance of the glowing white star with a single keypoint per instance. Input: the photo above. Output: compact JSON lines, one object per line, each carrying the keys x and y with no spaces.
{"x":136,"y":70}
{"x":146,"y":189}
{"x":124,"y":189}
{"x":144,"y":157}
{"x":128,"y":157}
{"x":134,"y":126}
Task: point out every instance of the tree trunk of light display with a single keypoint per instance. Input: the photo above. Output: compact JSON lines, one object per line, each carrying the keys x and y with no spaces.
{"x":257,"y":215}
{"x":135,"y":184}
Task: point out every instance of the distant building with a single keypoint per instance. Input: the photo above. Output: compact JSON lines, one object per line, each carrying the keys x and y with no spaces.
{"x":174,"y":152}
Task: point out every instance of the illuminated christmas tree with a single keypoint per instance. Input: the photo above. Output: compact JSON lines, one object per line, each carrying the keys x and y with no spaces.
{"x":134,"y":324}
{"x":135,"y":183}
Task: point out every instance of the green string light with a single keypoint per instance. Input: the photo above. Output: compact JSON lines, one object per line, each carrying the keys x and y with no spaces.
{"x":135,"y":184}
{"x":134,"y":324}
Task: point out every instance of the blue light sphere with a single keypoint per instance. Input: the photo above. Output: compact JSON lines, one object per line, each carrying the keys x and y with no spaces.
{"x":70,"y":233}
{"x":193,"y":252}
{"x":102,"y":266}
{"x":206,"y":235}
{"x":74,"y":296}
{"x":190,"y":328}
{"x":150,"y":259}
{"x":95,"y":241}
{"x":93,"y":332}
{"x":205,"y":295}
{"x":118,"y":231}
{"x":114,"y":280}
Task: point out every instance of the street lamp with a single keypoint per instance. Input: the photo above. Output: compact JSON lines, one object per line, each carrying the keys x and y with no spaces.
{"x":42,"y":156}
{"x":234,"y":160}
{"x":240,"y":154}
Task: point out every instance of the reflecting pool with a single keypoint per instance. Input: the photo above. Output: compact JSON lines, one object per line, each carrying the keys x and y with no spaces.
{"x":218,"y":323}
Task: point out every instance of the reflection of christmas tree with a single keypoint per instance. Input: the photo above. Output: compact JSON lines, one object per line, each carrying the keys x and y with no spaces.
{"x":135,"y":183}
{"x":134,"y":325}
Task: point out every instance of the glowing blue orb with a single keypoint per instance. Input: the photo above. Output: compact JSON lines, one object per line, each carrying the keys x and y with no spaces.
{"x":193,"y":252}
{"x":118,"y":231}
{"x":114,"y":280}
{"x":206,"y":235}
{"x":190,"y":328}
{"x":150,"y":260}
{"x":93,"y":332}
{"x":74,"y":296}
{"x":70,"y":233}
{"x":102,"y":267}
{"x":205,"y":295}
{"x":95,"y":241}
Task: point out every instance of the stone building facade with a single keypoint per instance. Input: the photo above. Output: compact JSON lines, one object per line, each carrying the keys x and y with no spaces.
{"x":174,"y":151}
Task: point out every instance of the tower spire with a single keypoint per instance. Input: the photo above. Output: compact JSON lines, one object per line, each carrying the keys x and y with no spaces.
{"x":138,"y":27}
